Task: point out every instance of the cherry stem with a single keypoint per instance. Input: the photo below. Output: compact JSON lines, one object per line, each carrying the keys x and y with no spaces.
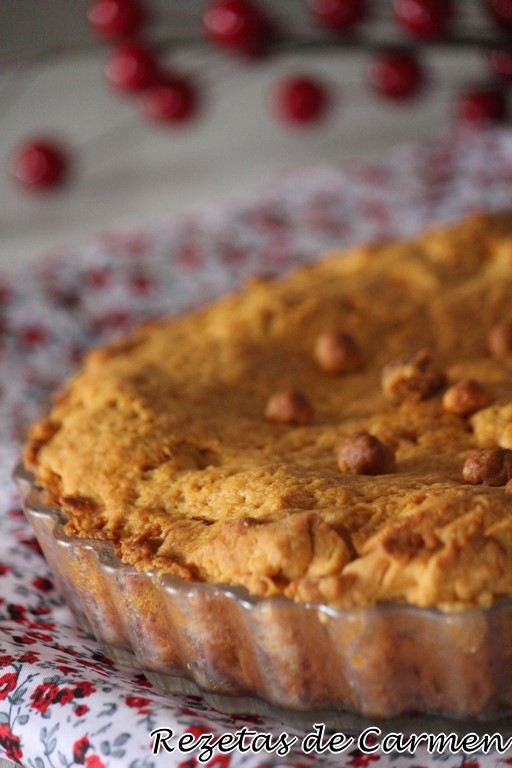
{"x":293,"y":44}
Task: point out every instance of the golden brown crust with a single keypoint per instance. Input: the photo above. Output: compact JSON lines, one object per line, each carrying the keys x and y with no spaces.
{"x":160,"y":443}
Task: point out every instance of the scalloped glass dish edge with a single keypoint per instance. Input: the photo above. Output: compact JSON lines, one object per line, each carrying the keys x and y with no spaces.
{"x":397,"y":666}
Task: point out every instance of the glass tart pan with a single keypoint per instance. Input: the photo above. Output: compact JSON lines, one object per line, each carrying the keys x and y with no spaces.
{"x":397,"y":666}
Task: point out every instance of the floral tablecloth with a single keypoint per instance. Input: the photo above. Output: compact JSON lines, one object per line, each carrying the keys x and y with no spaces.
{"x":62,"y":702}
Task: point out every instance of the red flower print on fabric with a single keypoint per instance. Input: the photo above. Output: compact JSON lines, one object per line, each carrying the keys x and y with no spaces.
{"x":219,"y":761}
{"x":44,"y":696}
{"x":23,"y":639}
{"x":64,"y":696}
{"x":16,"y":513}
{"x":17,"y":612}
{"x":65,"y":669}
{"x":81,"y":710}
{"x":10,"y":743}
{"x":83,"y":689}
{"x":47,"y":625}
{"x":363,"y":760}
{"x":141,"y":283}
{"x":43,"y":636}
{"x":49,"y":693}
{"x":80,"y":747}
{"x":6,"y":660}
{"x":7,"y":684}
{"x":98,"y":278}
{"x":112,"y":320}
{"x":137,"y":701}
{"x":33,"y":335}
{"x":33,"y":544}
{"x":103,"y":659}
{"x":4,"y":569}
{"x":93,"y":761}
{"x":42,"y":584}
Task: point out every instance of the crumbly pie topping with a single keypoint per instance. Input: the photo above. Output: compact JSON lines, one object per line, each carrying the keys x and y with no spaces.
{"x":340,"y":435}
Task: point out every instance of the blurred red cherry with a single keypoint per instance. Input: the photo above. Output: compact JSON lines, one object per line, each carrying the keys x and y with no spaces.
{"x":239,"y":26}
{"x":339,"y":15}
{"x":481,"y":105}
{"x":173,"y":101}
{"x":501,"y":12}
{"x":397,"y":75}
{"x":116,"y":19}
{"x":301,"y":99}
{"x":132,"y":68}
{"x":39,"y":164}
{"x":424,"y":18}
{"x":500,"y":62}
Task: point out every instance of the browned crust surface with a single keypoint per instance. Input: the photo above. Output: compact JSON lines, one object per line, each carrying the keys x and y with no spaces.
{"x":160,"y":443}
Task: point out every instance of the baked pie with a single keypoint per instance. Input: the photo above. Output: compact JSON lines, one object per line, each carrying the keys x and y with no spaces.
{"x":303,"y":491}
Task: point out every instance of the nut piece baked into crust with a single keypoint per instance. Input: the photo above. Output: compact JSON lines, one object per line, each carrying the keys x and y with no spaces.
{"x":160,"y":443}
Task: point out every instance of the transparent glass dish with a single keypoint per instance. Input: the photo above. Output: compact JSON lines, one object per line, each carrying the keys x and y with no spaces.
{"x":305,"y":663}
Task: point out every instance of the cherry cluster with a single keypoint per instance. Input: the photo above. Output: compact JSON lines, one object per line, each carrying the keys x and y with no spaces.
{"x":134,"y":68}
{"x":243,"y":28}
